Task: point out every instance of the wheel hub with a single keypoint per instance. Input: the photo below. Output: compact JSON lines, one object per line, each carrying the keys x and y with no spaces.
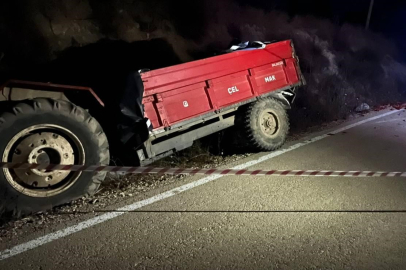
{"x":269,"y":123}
{"x":43,"y":148}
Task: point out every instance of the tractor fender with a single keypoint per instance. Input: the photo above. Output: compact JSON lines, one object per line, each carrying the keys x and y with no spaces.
{"x":15,"y":90}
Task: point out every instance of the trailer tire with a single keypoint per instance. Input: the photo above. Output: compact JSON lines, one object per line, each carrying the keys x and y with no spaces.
{"x":266,"y":125}
{"x":53,"y":131}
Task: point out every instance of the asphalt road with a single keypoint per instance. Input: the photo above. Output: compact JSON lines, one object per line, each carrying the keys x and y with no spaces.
{"x":237,"y":222}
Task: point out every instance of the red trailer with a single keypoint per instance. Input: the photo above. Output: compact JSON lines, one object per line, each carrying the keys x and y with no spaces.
{"x":210,"y":91}
{"x":39,"y":123}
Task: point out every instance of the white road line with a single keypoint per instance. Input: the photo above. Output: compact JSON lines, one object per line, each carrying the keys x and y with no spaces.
{"x":105,"y":217}
{"x":391,"y":120}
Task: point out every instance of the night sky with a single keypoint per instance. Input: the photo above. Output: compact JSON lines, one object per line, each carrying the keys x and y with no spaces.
{"x":389,"y":16}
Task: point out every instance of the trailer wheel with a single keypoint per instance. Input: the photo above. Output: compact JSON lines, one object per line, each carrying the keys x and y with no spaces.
{"x":266,"y":125}
{"x":53,"y":132}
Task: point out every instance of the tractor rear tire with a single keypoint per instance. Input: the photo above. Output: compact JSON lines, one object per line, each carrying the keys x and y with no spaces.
{"x":54,"y":132}
{"x":265,"y":125}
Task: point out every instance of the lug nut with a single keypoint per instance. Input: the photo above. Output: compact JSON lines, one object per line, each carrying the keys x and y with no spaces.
{"x":17,"y":151}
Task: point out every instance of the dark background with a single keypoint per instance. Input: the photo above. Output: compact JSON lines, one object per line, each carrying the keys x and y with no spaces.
{"x":388,"y":17}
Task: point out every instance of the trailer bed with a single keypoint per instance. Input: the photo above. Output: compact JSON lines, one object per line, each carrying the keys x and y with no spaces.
{"x":180,"y":93}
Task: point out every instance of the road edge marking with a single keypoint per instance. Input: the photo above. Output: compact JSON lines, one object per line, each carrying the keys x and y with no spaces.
{"x":18,"y":249}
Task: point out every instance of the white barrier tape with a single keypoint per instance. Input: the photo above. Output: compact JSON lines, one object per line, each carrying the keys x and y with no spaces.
{"x":177,"y":171}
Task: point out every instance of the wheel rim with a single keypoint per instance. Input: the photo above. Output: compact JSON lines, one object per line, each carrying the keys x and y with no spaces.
{"x":269,"y":123}
{"x":45,"y":144}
